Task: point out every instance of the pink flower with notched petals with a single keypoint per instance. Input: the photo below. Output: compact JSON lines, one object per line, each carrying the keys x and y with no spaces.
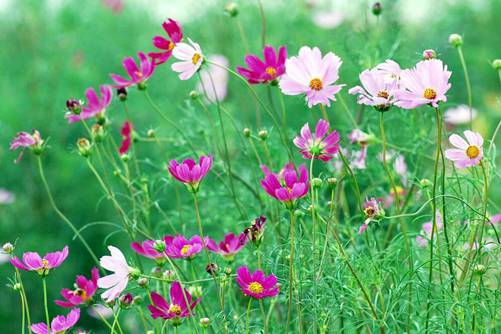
{"x":60,"y":324}
{"x":33,"y":262}
{"x":137,"y":75}
{"x":390,"y":70}
{"x":173,"y":30}
{"x":147,"y":248}
{"x":230,"y":246}
{"x":313,"y":75}
{"x":320,"y":145}
{"x":427,"y":83}
{"x":179,"y":247}
{"x":272,"y":68}
{"x":116,"y":282}
{"x":83,"y":293}
{"x":287,"y":186}
{"x":190,"y":172}
{"x":468,"y":152}
{"x":24,"y":140}
{"x":126,"y":133}
{"x":180,"y":306}
{"x":257,"y":285}
{"x":191,"y":58}
{"x":376,"y":91}
{"x":95,"y":106}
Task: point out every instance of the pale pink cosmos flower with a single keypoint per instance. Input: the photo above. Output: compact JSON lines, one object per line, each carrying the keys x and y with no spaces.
{"x":230,"y":246}
{"x":116,"y":282}
{"x":459,"y":115}
{"x":59,"y":325}
{"x":25,"y":140}
{"x":426,"y":230}
{"x":468,"y":152}
{"x":320,"y":145}
{"x":191,"y":58}
{"x":390,"y":70}
{"x":137,"y":75}
{"x":34,"y":262}
{"x":427,"y":83}
{"x":313,"y":75}
{"x":214,"y":79}
{"x":95,"y":106}
{"x":376,"y":91}
{"x":373,"y":211}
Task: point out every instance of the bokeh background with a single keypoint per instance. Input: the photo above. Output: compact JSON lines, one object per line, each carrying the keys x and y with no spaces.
{"x":54,"y":49}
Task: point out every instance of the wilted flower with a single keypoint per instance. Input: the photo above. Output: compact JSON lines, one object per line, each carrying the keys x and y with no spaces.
{"x":177,"y":308}
{"x":191,"y":57}
{"x":116,"y":282}
{"x":95,"y":106}
{"x":426,"y":231}
{"x":320,"y":145}
{"x":126,"y":133}
{"x":189,"y":172}
{"x":231,"y":245}
{"x":173,"y":30}
{"x":469,"y":152}
{"x":377,"y":91}
{"x":287,"y":186}
{"x":459,"y":115}
{"x":60,"y":324}
{"x":33,"y":262}
{"x":180,"y":247}
{"x":271,"y":69}
{"x":137,"y":75}
{"x":255,"y":232}
{"x":257,"y":285}
{"x":83,"y":293}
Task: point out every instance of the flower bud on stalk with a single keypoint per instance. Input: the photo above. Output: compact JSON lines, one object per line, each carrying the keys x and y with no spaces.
{"x":316,"y":183}
{"x":263,"y":135}
{"x":231,"y":9}
{"x":8,"y":248}
{"x":377,"y":9}
{"x":122,"y":94}
{"x":247,"y":132}
{"x":212,"y":268}
{"x":142,"y":282}
{"x":74,"y":106}
{"x":429,"y":54}
{"x":497,"y":64}
{"x":169,"y":275}
{"x":84,"y":147}
{"x":455,"y":40}
{"x":126,"y":301}
{"x":205,"y":322}
{"x":98,"y":132}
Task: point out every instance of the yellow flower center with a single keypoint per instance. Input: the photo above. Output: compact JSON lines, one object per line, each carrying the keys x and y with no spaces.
{"x":81,"y":293}
{"x":185,"y":249}
{"x":174,"y":308}
{"x":384,"y":94}
{"x":256,"y":287}
{"x":45,"y":263}
{"x":196,"y":57}
{"x":271,"y":71}
{"x":472,"y":152}
{"x":139,"y":74}
{"x":429,"y":93}
{"x":369,"y":212}
{"x":171,"y":46}
{"x":316,"y":84}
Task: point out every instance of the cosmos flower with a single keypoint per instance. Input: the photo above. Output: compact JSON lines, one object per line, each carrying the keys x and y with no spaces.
{"x":126,"y":133}
{"x":376,"y":91}
{"x":33,"y":262}
{"x":468,"y":152}
{"x":59,"y":325}
{"x":173,"y":30}
{"x":390,"y":70}
{"x":181,"y":248}
{"x":189,"y":172}
{"x":116,"y":282}
{"x":95,"y":106}
{"x":178,"y":308}
{"x":313,"y":75}
{"x":426,"y":229}
{"x":230,"y":246}
{"x":257,"y":285}
{"x":320,"y":145}
{"x":24,"y":140}
{"x":459,"y":115}
{"x":191,"y":58}
{"x":272,"y":68}
{"x":373,"y":211}
{"x":214,"y":79}
{"x":255,"y":232}
{"x":286,"y":186}
{"x":83,"y":293}
{"x":151,"y":248}
{"x":137,"y":75}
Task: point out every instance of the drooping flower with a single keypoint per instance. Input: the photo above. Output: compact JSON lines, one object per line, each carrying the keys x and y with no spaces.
{"x":126,"y":133}
{"x":373,"y":211}
{"x":257,"y":285}
{"x":312,"y":75}
{"x":427,"y":83}
{"x":83,"y":293}
{"x":116,"y":282}
{"x":468,"y":152}
{"x":286,"y":186}
{"x":59,"y":325}
{"x":180,"y":247}
{"x":214,"y":79}
{"x":272,"y":68}
{"x":180,"y":306}
{"x":137,"y":75}
{"x":459,"y":115}
{"x":152,"y":248}
{"x":24,"y":140}
{"x":191,"y":58}
{"x":189,"y":172}
{"x":376,"y":91}
{"x":255,"y":232}
{"x":426,"y":230}
{"x":320,"y":145}
{"x":173,"y":30}
{"x":33,"y":262}
{"x":230,"y":246}
{"x":95,"y":106}
{"x":390,"y":70}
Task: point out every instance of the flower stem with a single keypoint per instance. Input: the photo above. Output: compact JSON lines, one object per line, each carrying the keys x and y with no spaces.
{"x":324,"y":112}
{"x":45,"y":304}
{"x":24,"y":299}
{"x":467,"y":81}
{"x":247,"y":322}
{"x":355,"y":183}
{"x":291,"y":266}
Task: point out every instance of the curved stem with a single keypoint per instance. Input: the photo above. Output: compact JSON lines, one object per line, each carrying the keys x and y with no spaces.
{"x":45,"y":304}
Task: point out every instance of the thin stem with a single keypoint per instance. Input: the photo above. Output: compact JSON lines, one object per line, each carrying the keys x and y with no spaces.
{"x":355,"y":183}
{"x":467,"y":81}
{"x":45,"y":304}
{"x":263,"y":23}
{"x":347,"y":110}
{"x":324,"y":112}
{"x":247,"y":322}
{"x":24,"y":299}
{"x":291,"y":266}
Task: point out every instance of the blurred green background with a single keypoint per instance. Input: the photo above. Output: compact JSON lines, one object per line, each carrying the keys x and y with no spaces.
{"x":53,"y":50}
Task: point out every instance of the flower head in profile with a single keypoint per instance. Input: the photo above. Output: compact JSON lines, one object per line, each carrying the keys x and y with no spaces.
{"x":231,"y":245}
{"x":126,"y":133}
{"x":152,"y":249}
{"x":59,"y":325}
{"x":179,"y":247}
{"x":313,"y":75}
{"x":269,"y":70}
{"x":137,"y":75}
{"x":376,"y":91}
{"x":42,"y":265}
{"x":85,"y":288}
{"x":165,"y":46}
{"x":191,"y":58}
{"x":390,"y":71}
{"x":32,"y":140}
{"x":180,"y":306}
{"x":468,"y":152}
{"x":287,"y":186}
{"x":256,"y":284}
{"x":426,"y":231}
{"x":190,"y":172}
{"x":95,"y":106}
{"x":255,"y":232}
{"x":320,"y":145}
{"x":116,"y":282}
{"x":427,"y":83}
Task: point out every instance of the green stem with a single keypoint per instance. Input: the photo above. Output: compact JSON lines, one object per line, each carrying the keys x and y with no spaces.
{"x":291,"y":266}
{"x":24,"y":299}
{"x":355,"y":183}
{"x":247,"y":322}
{"x":45,"y":304}
{"x":263,"y":23}
{"x":467,"y":81}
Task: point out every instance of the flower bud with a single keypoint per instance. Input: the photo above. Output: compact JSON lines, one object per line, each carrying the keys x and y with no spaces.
{"x":117,"y":172}
{"x":138,"y":300}
{"x":169,"y":275}
{"x":263,"y":134}
{"x":247,"y":132}
{"x":125,"y":157}
{"x":194,"y":94}
{"x":332,"y":181}
{"x":142,"y":282}
{"x":479,"y":269}
{"x":17,"y":286}
{"x":497,"y":64}
{"x":134,"y":272}
{"x":212,"y":268}
{"x":195,"y":290}
{"x":84,"y":147}
{"x":141,"y":86}
{"x":159,"y":245}
{"x":425,"y":183}
{"x":231,"y":9}
{"x":316,"y":182}
{"x":157,"y":271}
{"x":98,"y":132}
{"x":122,"y":94}
{"x":74,"y":106}
{"x":455,"y":40}
{"x":228,"y":271}
{"x":205,"y":322}
{"x":377,"y":9}
{"x":429,"y":54}
{"x":126,"y":300}
{"x":8,"y":248}
{"x":151,"y":133}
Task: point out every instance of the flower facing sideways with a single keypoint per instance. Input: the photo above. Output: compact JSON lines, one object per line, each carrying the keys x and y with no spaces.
{"x":150,"y":248}
{"x":230,"y":246}
{"x":173,"y":30}
{"x":95,"y":106}
{"x":468,"y":152}
{"x":137,"y":75}
{"x":190,"y":172}
{"x":320,"y":145}
{"x":287,"y":186}
{"x":180,"y":306}
{"x":84,"y":290}
{"x":33,"y":262}
{"x":116,"y":282}
{"x":269,"y":70}
{"x":59,"y":325}
{"x":24,"y":140}
{"x":257,"y":285}
{"x":126,"y":133}
{"x":376,"y":91}
{"x":191,"y":58}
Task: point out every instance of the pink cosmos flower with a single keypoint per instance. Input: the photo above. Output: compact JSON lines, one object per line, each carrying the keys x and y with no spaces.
{"x":177,"y":308}
{"x":373,"y":211}
{"x":126,"y":133}
{"x":257,"y":285}
{"x":191,"y":58}
{"x":255,"y":232}
{"x":427,"y":83}
{"x":459,"y":115}
{"x":321,"y":145}
{"x":469,"y":152}
{"x":376,"y":91}
{"x":230,"y":246}
{"x":214,"y":79}
{"x":271,"y":69}
{"x":33,"y":262}
{"x":59,"y":325}
{"x":179,"y":247}
{"x":116,"y":282}
{"x":287,"y":186}
{"x":426,"y":229}
{"x":137,"y":75}
{"x":390,"y":70}
{"x":495,"y":219}
{"x":24,"y":140}
{"x":95,"y":106}
{"x":173,"y":30}
{"x":151,"y":249}
{"x":312,"y":75}
{"x":189,"y":172}
{"x":83,"y":293}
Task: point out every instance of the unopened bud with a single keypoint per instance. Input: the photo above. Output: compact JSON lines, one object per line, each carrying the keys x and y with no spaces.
{"x":8,"y":248}
{"x":126,"y":300}
{"x":377,"y":9}
{"x":263,"y":134}
{"x":429,"y":54}
{"x":479,"y":269}
{"x":497,"y":64}
{"x":298,"y":213}
{"x":332,"y":181}
{"x":195,"y":290}
{"x":122,"y":94}
{"x":231,"y":9}
{"x":84,"y":147}
{"x":125,"y":157}
{"x":151,"y":133}
{"x":117,"y":172}
{"x":316,"y":182}
{"x":425,"y":183}
{"x":247,"y":132}
{"x":138,"y":300}
{"x":455,"y":40}
{"x":74,"y":106}
{"x":142,"y":282}
{"x":212,"y":268}
{"x":98,"y":132}
{"x":17,"y":286}
{"x":159,"y":245}
{"x":134,"y":273}
{"x":205,"y":322}
{"x":141,"y":86}
{"x":194,"y":94}
{"x":228,"y":271}
{"x":169,"y":275}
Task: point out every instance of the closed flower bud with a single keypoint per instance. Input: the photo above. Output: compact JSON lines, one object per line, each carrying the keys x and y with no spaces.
{"x":455,"y":40}
{"x":316,"y":182}
{"x":425,"y":183}
{"x":98,"y":132}
{"x":195,"y":290}
{"x":332,"y":181}
{"x":479,"y":269}
{"x":159,"y":245}
{"x":205,"y":322}
{"x":263,"y":134}
{"x":122,"y":94}
{"x":142,"y":282}
{"x":17,"y":286}
{"x":194,"y":94}
{"x":8,"y":248}
{"x":377,"y":9}
{"x":231,"y":9}
{"x":134,"y":273}
{"x":117,"y":172}
{"x":497,"y":64}
{"x":169,"y":275}
{"x":141,"y":85}
{"x":151,"y":133}
{"x":429,"y":54}
{"x":138,"y":300}
{"x":126,"y":300}
{"x":84,"y":147}
{"x":74,"y":106}
{"x":125,"y":157}
{"x":247,"y":132}
{"x":212,"y":268}
{"x":228,"y":271}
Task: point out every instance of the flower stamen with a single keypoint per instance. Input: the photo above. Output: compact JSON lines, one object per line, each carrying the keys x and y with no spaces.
{"x":185,"y":249}
{"x":256,"y":287}
{"x":271,"y":71}
{"x":196,"y":57}
{"x":316,"y":84}
{"x":429,"y":93}
{"x":384,"y":94}
{"x":472,"y":152}
{"x":174,"y":308}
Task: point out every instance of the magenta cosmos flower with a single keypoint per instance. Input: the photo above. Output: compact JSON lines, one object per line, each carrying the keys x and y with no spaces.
{"x":257,"y":285}
{"x":376,"y":91}
{"x":33,"y":262}
{"x":265,"y":71}
{"x":468,"y":152}
{"x":320,"y":145}
{"x":24,"y":140}
{"x":137,"y":75}
{"x":427,"y":83}
{"x":59,"y":325}
{"x":312,"y":75}
{"x":191,"y":58}
{"x":177,"y":308}
{"x":116,"y":282}
{"x":173,"y":30}
{"x":126,"y":133}
{"x":95,"y":106}
{"x":84,"y":290}
{"x":189,"y":172}
{"x":230,"y":246}
{"x":179,"y":247}
{"x":287,"y":186}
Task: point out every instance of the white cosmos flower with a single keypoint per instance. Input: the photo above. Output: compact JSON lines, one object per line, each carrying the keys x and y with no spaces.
{"x":191,"y":58}
{"x":116,"y":282}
